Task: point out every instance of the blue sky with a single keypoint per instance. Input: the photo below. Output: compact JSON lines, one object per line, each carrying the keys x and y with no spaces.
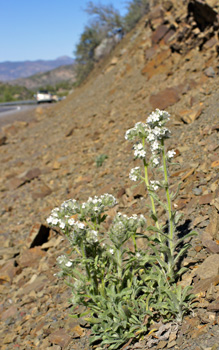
{"x":43,"y":29}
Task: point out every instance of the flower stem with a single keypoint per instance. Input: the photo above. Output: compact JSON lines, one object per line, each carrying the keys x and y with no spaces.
{"x":169,"y":206}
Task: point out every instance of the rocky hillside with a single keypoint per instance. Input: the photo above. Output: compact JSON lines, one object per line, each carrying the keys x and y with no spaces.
{"x":169,"y":61}
{"x":52,"y":77}
{"x":14,"y":70}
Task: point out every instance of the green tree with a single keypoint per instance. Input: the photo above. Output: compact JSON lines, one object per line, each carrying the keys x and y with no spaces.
{"x":103,"y":19}
{"x":136,"y":10}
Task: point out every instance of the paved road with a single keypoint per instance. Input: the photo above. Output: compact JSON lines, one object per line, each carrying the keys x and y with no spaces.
{"x":8,"y":110}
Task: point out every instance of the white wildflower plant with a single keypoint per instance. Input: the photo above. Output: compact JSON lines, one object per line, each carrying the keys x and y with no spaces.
{"x":124,"y":287}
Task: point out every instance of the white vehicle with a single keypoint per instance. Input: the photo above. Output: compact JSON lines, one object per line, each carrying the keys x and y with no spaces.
{"x":43,"y":96}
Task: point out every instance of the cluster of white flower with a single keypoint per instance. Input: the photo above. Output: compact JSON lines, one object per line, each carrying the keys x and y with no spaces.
{"x":171,"y":154}
{"x":56,"y":218}
{"x":157,"y":131}
{"x":153,"y":131}
{"x":95,"y":206}
{"x":63,"y":261}
{"x":92,"y":236}
{"x":134,"y":174}
{"x":154,"y":185}
{"x":139,"y":151}
{"x":155,"y":161}
{"x":158,"y":118}
{"x":124,"y":227}
{"x":139,"y":131}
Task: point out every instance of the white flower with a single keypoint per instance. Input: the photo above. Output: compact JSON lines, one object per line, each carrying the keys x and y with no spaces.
{"x":171,"y":154}
{"x":61,"y":224}
{"x":61,"y":259}
{"x":151,"y":137}
{"x":154,"y":146}
{"x":139,"y":151}
{"x":111,"y":251}
{"x":68,"y":264}
{"x":55,"y":221}
{"x":154,"y":185}
{"x":49,"y":219}
{"x":155,"y":161}
{"x":134,"y":173}
{"x":80,"y":225}
{"x":71,"y":222}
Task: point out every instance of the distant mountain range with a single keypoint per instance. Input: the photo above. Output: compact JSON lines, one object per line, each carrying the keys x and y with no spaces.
{"x":23,"y":69}
{"x":61,"y":74}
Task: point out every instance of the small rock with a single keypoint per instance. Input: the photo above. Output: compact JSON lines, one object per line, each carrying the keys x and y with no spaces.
{"x":165,"y":98}
{"x":60,"y":337}
{"x":209,"y":72}
{"x":197,"y":191}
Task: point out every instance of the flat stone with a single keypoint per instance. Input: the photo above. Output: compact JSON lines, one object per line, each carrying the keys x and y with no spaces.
{"x":41,"y":191}
{"x":213,"y":227}
{"x":31,"y":174}
{"x":10,"y":312}
{"x":188,"y":116}
{"x":214,"y":306}
{"x":159,"y":33}
{"x":8,"y":271}
{"x":37,"y":285}
{"x":31,"y":257}
{"x":60,"y":337}
{"x":165,"y":98}
{"x":209,"y":268}
{"x":206,"y":198}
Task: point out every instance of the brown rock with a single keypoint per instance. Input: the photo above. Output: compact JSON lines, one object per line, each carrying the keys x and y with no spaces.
{"x":209,"y":268}
{"x":215,"y":164}
{"x":37,"y":285}
{"x":210,"y":43}
{"x":214,"y":306}
{"x":31,"y":257}
{"x":211,"y":245}
{"x":149,"y":53}
{"x":42,"y":191}
{"x":189,"y":116}
{"x":31,"y":174}
{"x":15,"y":183}
{"x":12,"y":310}
{"x":206,"y":198}
{"x":213,"y":227}
{"x":165,"y":98}
{"x":159,"y":33}
{"x":8,"y":271}
{"x":60,"y":338}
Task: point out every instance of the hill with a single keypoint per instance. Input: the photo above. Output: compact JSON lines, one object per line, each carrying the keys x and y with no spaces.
{"x":53,"y":77}
{"x":169,"y":61}
{"x":14,"y":70}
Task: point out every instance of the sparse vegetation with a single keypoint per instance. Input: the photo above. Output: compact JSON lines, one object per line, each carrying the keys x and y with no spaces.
{"x":123,"y":286}
{"x":100,"y":160}
{"x":9,"y":93}
{"x":105,"y":18}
